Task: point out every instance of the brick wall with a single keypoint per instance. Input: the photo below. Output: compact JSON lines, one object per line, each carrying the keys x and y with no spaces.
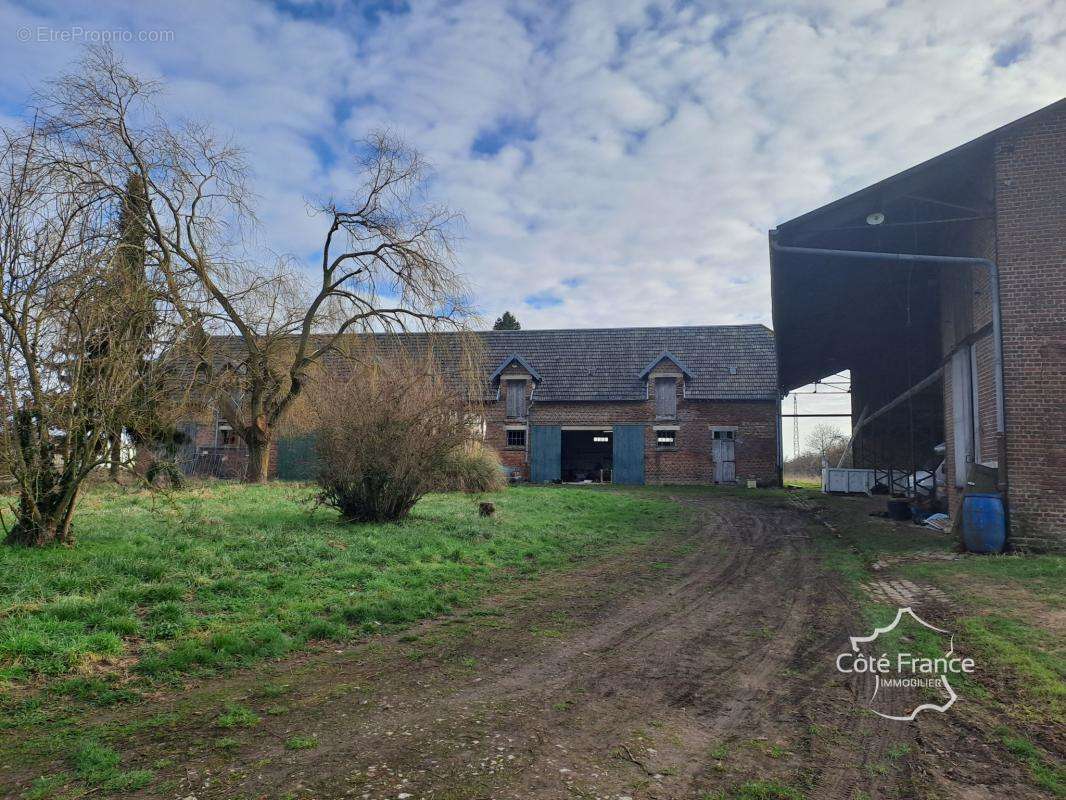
{"x":690,"y":462}
{"x":1030,"y":169}
{"x":1027,"y":240}
{"x":207,"y":458}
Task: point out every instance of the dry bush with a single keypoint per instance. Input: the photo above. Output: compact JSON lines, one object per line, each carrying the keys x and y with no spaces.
{"x":386,"y":431}
{"x":473,"y":468}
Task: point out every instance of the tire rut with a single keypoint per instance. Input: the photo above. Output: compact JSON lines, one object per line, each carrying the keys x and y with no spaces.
{"x":730,"y":644}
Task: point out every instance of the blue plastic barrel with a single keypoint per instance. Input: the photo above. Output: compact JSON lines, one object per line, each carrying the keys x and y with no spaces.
{"x":984,"y":525}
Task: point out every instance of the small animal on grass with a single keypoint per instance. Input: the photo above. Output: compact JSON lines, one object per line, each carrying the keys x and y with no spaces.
{"x":486,"y":509}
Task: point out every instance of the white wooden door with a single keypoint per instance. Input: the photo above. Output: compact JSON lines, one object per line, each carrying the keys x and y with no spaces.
{"x":723,"y":450}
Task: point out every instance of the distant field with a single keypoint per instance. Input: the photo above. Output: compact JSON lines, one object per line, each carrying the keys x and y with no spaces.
{"x":803,"y":481}
{"x":225,"y":574}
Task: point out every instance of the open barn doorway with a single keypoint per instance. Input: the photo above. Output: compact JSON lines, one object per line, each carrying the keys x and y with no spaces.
{"x":587,"y":455}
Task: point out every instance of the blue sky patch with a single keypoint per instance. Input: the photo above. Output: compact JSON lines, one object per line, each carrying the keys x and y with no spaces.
{"x":490,"y":141}
{"x":1012,"y":52}
{"x":545,"y":299}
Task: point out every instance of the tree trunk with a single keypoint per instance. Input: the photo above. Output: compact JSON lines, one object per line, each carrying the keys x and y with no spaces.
{"x":258,"y":460}
{"x":49,"y":524}
{"x":115,"y":464}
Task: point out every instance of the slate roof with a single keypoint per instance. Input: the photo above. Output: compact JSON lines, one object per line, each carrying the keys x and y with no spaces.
{"x":726,"y":362}
{"x":606,"y":363}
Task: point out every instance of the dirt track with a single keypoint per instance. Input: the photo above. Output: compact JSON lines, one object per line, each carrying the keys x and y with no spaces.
{"x":692,"y":666}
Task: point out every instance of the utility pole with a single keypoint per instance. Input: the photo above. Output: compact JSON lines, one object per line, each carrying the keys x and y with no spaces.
{"x":795,"y":426}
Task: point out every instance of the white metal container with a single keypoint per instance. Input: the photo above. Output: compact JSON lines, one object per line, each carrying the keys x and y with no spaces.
{"x":847,"y":481}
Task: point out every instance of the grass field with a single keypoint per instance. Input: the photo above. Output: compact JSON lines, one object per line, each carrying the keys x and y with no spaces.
{"x":224,"y":574}
{"x":1009,"y":617}
{"x":803,"y":481}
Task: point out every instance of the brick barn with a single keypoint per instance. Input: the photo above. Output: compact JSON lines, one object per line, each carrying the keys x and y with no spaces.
{"x":644,"y":405}
{"x":626,"y":405}
{"x":900,"y":283}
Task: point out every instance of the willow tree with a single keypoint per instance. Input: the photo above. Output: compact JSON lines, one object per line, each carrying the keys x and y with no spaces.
{"x":386,"y":259}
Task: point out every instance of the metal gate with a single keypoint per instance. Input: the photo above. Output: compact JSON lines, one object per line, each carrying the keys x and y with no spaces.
{"x":628,"y":457}
{"x":724,"y":451}
{"x":545,"y":453}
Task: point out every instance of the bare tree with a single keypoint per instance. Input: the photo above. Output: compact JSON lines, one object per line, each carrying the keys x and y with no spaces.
{"x":69,"y":352}
{"x":386,"y":260}
{"x":825,"y":441}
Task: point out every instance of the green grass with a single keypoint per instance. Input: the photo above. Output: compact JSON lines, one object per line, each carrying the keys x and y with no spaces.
{"x":804,"y":481}
{"x":999,"y":595}
{"x":98,"y":765}
{"x":1045,"y":773}
{"x":237,"y":716}
{"x":229,"y":574}
{"x":301,"y":743}
{"x":759,"y":790}
{"x":1000,"y":635}
{"x":1021,"y":662}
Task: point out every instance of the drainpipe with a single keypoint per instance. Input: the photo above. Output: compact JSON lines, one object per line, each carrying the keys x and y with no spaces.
{"x":780,"y":445}
{"x":997,"y":328}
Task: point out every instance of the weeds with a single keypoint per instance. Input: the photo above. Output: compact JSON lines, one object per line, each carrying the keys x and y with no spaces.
{"x":236,"y":716}
{"x":98,"y":765}
{"x":758,"y":790}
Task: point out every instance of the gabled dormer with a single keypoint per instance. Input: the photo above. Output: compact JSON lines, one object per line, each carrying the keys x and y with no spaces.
{"x":513,"y":378}
{"x":662,"y":376}
{"x":664,"y":363}
{"x":514,"y":364}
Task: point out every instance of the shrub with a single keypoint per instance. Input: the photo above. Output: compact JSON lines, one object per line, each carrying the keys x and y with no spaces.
{"x":164,"y":471}
{"x":385,"y":433}
{"x":472,"y":468}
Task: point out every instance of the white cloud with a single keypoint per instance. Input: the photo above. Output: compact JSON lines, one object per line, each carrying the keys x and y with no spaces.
{"x":653,"y":147}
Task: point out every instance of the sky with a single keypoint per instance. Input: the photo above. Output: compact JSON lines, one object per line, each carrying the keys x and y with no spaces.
{"x":616,"y":162}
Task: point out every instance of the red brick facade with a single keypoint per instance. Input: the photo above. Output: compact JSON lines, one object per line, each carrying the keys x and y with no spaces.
{"x":207,"y":454}
{"x":1031,"y":249}
{"x":755,"y":425}
{"x":1028,"y":244}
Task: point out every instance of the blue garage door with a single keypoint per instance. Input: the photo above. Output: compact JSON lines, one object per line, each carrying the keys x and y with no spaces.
{"x":628,"y":454}
{"x":545,"y":454}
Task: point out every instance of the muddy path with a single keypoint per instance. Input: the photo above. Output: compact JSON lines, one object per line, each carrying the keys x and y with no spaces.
{"x":693,"y":665}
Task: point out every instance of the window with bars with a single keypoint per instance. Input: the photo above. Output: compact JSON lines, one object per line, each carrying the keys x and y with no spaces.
{"x":516,"y":437}
{"x":666,"y":440}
